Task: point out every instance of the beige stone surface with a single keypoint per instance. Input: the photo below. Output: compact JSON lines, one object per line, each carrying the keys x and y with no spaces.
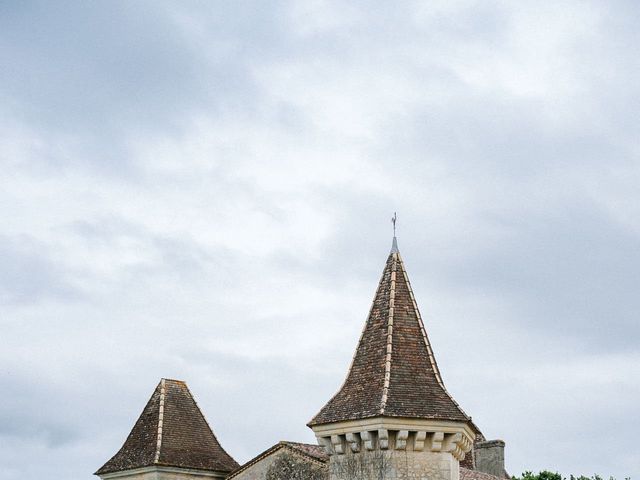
{"x":163,"y":473}
{"x":394,"y":465}
{"x":490,"y":457}
{"x":258,"y":470}
{"x":395,"y":449}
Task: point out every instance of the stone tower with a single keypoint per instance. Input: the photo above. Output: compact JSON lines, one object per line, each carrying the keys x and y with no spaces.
{"x":170,"y":441}
{"x":393,"y":417}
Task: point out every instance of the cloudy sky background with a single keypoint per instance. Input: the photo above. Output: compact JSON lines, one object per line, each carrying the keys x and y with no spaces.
{"x":202,"y":191}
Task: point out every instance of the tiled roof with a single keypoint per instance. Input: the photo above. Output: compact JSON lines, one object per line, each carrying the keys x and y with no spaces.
{"x":314,"y":452}
{"x":171,"y":431}
{"x":466,"y":474}
{"x":393,"y":372}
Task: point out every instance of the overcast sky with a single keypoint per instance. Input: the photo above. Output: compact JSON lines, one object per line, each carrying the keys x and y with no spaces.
{"x":202,"y":191}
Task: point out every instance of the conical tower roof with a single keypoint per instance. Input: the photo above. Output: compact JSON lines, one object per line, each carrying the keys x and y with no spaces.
{"x":394,"y":372}
{"x":172,"y":432}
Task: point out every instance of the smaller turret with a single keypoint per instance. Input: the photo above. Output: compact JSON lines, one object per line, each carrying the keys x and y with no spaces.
{"x":171,"y":440}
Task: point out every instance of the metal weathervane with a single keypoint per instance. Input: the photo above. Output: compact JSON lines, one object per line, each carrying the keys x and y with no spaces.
{"x":393,"y":220}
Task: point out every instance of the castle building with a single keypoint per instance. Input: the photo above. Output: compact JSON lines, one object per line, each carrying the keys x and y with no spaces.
{"x":392,"y":418}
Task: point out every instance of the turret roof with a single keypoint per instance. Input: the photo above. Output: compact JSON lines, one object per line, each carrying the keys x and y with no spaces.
{"x":394,"y":372}
{"x":171,"y":431}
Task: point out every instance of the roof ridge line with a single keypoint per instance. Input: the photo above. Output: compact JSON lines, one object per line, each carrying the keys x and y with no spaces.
{"x":255,"y":459}
{"x":281,"y":444}
{"x":297,"y":451}
{"x":160,"y":421}
{"x":432,"y":358}
{"x":205,"y":420}
{"x":355,"y":353}
{"x":387,"y":361}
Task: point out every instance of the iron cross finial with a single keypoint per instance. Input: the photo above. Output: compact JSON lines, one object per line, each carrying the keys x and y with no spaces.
{"x":393,"y":220}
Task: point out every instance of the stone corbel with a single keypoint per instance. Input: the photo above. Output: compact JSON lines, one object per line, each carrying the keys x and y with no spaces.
{"x":455,"y":444}
{"x":436,"y":441}
{"x":353,"y":439}
{"x":383,"y":438}
{"x":466,"y":447}
{"x":337,"y":444}
{"x":368,"y":440}
{"x":418,"y":442}
{"x":325,"y":442}
{"x":401,"y":439}
{"x":451,"y":442}
{"x":465,"y":444}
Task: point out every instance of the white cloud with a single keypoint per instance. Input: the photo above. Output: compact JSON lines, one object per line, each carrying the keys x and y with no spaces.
{"x":213,"y":205}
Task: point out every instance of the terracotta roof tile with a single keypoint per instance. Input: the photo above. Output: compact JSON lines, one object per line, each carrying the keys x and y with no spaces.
{"x":394,"y":372}
{"x":315,"y":451}
{"x":171,"y":431}
{"x":467,"y":474}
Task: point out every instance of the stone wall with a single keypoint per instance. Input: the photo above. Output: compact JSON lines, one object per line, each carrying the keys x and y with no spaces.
{"x":393,"y":465}
{"x":258,"y":471}
{"x":163,"y":473}
{"x":489,"y":457}
{"x":283,"y":464}
{"x":180,"y":476}
{"x":412,"y":450}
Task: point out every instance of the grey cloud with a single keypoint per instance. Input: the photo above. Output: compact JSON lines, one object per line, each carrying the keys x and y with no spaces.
{"x":29,"y":275}
{"x":176,"y":255}
{"x":103,"y":62}
{"x":94,"y":75}
{"x":573,"y":267}
{"x":175,"y":150}
{"x":35,"y":412}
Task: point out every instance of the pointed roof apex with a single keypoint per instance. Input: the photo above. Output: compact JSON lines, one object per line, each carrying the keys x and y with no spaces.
{"x":394,"y":245}
{"x":394,"y":372}
{"x":171,"y":431}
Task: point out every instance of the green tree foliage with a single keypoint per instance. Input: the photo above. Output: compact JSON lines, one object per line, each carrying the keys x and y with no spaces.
{"x":546,"y":475}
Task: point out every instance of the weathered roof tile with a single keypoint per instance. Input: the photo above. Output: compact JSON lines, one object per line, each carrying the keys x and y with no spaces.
{"x":171,"y":431}
{"x":394,"y":372}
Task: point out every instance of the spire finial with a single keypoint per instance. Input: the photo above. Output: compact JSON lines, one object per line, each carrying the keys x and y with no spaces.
{"x":394,"y":245}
